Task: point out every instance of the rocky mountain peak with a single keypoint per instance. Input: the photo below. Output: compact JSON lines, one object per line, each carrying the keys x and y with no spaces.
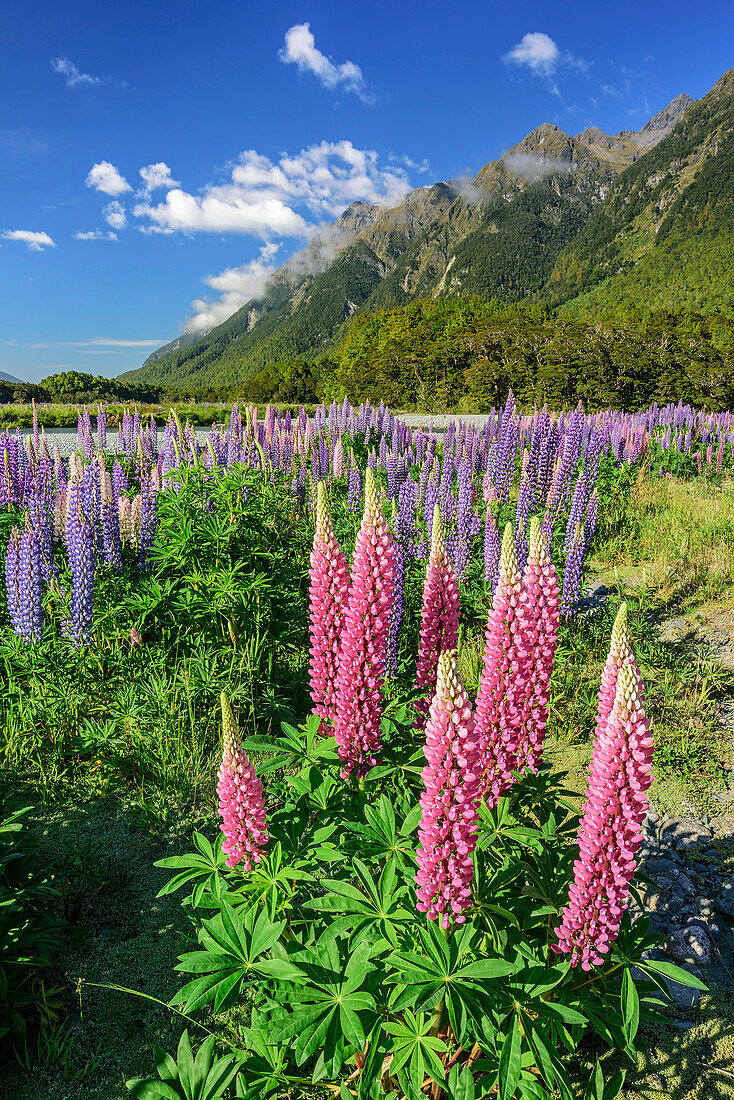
{"x":660,"y":125}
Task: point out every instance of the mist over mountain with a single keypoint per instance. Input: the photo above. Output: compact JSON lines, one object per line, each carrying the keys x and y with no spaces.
{"x":585,"y":222}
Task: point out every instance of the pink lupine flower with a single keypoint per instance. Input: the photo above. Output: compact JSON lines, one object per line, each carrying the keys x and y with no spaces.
{"x":506,"y":676}
{"x":241,"y":802}
{"x":337,"y":462}
{"x":610,"y":832}
{"x":450,"y":801}
{"x":135,"y":637}
{"x":328,"y":594}
{"x":365,"y":629}
{"x":542,"y":592}
{"x":439,"y":630}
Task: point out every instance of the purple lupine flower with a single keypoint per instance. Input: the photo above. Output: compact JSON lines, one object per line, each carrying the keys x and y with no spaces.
{"x":147,"y":521}
{"x":12,"y":580}
{"x":80,"y":550}
{"x":354,"y":495}
{"x":572,"y":572}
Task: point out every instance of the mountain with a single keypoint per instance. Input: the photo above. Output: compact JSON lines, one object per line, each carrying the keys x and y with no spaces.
{"x":664,"y":238}
{"x":10,"y":378}
{"x":504,"y":234}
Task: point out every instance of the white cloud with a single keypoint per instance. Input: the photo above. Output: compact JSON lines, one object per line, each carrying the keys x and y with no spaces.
{"x":300,"y":49}
{"x":542,"y":56}
{"x":114,"y":214}
{"x":536,"y":50}
{"x":94,"y":235}
{"x":155,"y":176}
{"x":35,"y":241}
{"x":236,"y":286}
{"x":74,"y":79}
{"x":261,"y":198}
{"x":105,"y":177}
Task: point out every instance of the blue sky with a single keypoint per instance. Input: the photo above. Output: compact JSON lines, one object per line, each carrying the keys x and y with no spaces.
{"x":157,"y":159}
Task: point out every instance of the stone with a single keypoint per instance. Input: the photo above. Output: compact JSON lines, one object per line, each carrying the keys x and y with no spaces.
{"x":691,"y":944}
{"x":659,"y":866}
{"x":598,"y":589}
{"x":653,"y":899}
{"x":725,"y":900}
{"x":685,"y":885}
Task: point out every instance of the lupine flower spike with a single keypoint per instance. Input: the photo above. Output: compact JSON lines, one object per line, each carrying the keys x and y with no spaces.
{"x":241,"y":801}
{"x":620,"y":651}
{"x":328,"y":594}
{"x":439,"y":630}
{"x":610,"y":832}
{"x":450,"y":801}
{"x":542,"y":591}
{"x":365,"y":631}
{"x":505,"y":678}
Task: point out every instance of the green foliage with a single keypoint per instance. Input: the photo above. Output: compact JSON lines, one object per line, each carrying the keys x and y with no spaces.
{"x":28,"y":931}
{"x":663,"y":236}
{"x":438,"y":355}
{"x":203,"y":1077}
{"x":344,"y":985}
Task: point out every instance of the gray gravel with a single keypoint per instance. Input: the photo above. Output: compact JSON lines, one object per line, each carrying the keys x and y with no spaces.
{"x":65,"y":439}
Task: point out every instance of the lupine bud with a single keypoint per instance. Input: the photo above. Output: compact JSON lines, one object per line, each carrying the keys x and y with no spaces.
{"x":327,"y":595}
{"x":364,"y":640}
{"x":439,"y":629}
{"x":450,"y":801}
{"x":610,"y":833}
{"x":505,"y":677}
{"x":241,"y":801}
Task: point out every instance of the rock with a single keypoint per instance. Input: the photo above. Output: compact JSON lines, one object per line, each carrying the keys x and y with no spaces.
{"x":725,"y":900}
{"x":691,"y":944}
{"x":685,"y":885}
{"x":683,"y":829}
{"x":683,"y":1025}
{"x":653,"y":899}
{"x":597,"y":589}
{"x":661,"y":867}
{"x":705,"y":907}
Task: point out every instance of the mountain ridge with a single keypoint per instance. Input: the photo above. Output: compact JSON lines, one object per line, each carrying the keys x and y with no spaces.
{"x":503,"y":233}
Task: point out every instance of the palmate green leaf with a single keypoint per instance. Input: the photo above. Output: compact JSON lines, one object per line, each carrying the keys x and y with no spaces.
{"x":323,"y":1008}
{"x":380,"y":839}
{"x":424,"y":979}
{"x":204,"y":1077}
{"x":205,"y":868}
{"x":412,"y":1043}
{"x":296,"y":747}
{"x":547,"y":1061}
{"x":230,"y":959}
{"x":272,"y":881}
{"x":367,"y":905}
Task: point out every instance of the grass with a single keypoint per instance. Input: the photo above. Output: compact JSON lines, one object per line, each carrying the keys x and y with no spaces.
{"x":674,"y":544}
